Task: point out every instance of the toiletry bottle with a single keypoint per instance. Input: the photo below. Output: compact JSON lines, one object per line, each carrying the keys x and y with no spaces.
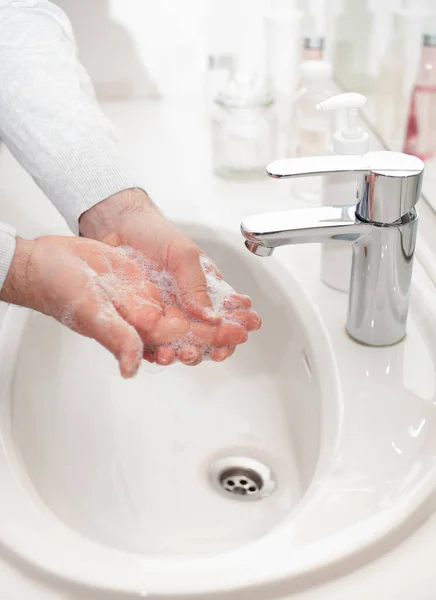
{"x":311,"y":129}
{"x":283,"y":47}
{"x":244,"y":131}
{"x":390,"y":98}
{"x":218,"y":72}
{"x":313,"y":48}
{"x":340,"y":188}
{"x":351,"y":50}
{"x":421,"y":126}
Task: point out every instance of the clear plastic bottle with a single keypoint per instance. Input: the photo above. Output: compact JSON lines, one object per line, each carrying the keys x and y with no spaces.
{"x":311,"y":130}
{"x":390,"y":99}
{"x":353,"y":29}
{"x":244,"y":130}
{"x":421,"y":126}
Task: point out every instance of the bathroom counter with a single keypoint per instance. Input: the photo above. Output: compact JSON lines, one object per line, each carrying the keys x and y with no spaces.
{"x":167,"y":145}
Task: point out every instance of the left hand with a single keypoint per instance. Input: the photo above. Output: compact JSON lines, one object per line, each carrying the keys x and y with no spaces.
{"x":129,"y":218}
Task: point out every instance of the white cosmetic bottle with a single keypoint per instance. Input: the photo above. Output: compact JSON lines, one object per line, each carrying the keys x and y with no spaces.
{"x":340,"y":188}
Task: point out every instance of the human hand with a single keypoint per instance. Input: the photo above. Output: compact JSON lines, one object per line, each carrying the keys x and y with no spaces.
{"x":103,"y":293}
{"x":129,"y":218}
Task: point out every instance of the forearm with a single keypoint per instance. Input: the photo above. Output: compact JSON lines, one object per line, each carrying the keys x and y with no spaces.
{"x":49,"y":117}
{"x":14,"y":258}
{"x":7,"y":250}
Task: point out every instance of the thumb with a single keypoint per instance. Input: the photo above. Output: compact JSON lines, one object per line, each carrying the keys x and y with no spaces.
{"x":103,"y":324}
{"x":194,"y":295}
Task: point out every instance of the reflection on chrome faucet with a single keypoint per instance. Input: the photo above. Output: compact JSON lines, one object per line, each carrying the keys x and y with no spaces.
{"x":381,"y":227}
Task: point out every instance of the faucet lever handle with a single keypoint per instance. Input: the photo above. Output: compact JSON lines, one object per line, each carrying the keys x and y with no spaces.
{"x":388,"y":189}
{"x":390,"y":164}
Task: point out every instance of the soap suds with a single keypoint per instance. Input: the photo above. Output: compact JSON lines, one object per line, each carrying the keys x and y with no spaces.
{"x":126,"y":278}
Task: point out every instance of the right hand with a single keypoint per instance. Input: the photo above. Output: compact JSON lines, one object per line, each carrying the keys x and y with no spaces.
{"x":100,"y":292}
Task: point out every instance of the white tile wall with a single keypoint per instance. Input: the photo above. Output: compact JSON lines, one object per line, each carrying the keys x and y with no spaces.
{"x":140,"y":48}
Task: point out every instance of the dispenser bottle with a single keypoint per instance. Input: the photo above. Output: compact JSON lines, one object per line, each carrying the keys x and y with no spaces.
{"x":311,"y":130}
{"x":340,"y":188}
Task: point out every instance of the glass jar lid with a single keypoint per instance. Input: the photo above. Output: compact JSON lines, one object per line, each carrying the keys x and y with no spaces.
{"x":245,"y":92}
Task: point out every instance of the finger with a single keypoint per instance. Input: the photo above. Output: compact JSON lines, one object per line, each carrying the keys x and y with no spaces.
{"x":172,"y":326}
{"x":227,"y":334}
{"x":220,"y":354}
{"x":247,"y":318}
{"x":192,"y":284}
{"x":103,"y":324}
{"x":231,"y":351}
{"x":189,"y":355}
{"x":143,"y":314}
{"x":237,"y":301}
{"x":164,"y":355}
{"x":209,"y":267}
{"x":148,"y":355}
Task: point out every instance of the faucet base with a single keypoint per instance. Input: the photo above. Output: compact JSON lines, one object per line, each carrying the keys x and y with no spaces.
{"x":381,"y":276}
{"x":372,"y":344}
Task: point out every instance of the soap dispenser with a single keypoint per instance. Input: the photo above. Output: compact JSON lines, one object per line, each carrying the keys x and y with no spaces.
{"x":340,"y":188}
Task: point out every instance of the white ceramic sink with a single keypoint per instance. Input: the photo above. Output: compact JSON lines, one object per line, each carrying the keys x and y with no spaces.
{"x":106,"y":482}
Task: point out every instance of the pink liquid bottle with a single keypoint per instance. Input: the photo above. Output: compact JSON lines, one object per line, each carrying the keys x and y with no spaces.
{"x":421,"y":126}
{"x":313,"y":48}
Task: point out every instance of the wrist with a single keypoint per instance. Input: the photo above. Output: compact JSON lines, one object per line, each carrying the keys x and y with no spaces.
{"x":16,"y":288}
{"x":102,"y":221}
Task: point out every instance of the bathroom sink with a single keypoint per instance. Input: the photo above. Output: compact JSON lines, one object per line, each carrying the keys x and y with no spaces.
{"x":302,"y":451}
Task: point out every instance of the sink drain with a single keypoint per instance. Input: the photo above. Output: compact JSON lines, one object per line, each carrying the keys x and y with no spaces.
{"x":243,"y":478}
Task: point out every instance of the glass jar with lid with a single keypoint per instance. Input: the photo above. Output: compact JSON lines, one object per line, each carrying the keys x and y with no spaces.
{"x":244,"y":129}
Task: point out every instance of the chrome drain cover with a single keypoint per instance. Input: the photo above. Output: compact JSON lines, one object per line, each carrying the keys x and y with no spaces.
{"x":242,"y":478}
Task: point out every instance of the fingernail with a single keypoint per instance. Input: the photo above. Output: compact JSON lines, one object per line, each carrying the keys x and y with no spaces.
{"x":129,"y":364}
{"x":190,"y":356}
{"x":163,"y":360}
{"x":128,"y":369}
{"x":220,"y":356}
{"x":257,"y":322}
{"x":190,"y":361}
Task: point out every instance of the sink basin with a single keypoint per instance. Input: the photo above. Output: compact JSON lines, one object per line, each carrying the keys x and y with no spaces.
{"x":109,"y":484}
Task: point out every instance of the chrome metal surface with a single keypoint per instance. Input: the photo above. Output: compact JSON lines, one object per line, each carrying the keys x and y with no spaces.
{"x":389,"y":186}
{"x":258,"y":249}
{"x":241,"y":482}
{"x":323,"y":224}
{"x":242,"y":478}
{"x":382,"y":228}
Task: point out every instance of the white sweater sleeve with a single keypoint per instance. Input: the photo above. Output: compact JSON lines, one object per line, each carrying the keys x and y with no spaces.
{"x":49,"y":117}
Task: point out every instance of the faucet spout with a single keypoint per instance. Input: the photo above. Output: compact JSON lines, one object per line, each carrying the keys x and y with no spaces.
{"x":267,"y":231}
{"x":258,"y":249}
{"x":382,"y":262}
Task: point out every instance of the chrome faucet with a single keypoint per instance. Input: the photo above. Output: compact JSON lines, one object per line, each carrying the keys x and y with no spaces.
{"x":381,"y":227}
